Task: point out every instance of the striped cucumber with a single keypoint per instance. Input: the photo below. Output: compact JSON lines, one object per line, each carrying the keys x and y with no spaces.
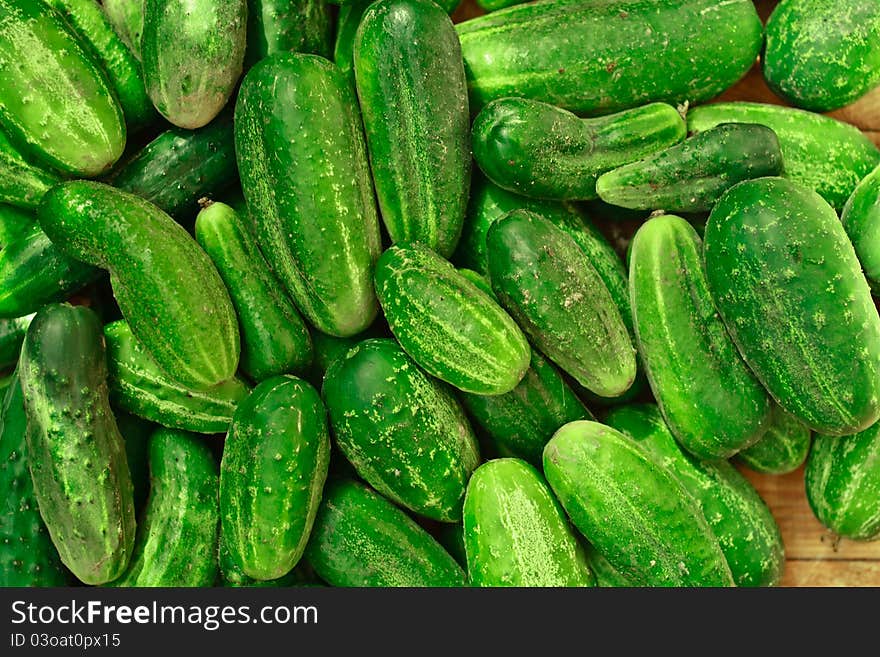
{"x":22,"y":183}
{"x":861,"y":219}
{"x":127,"y":18}
{"x":288,"y":26}
{"x":782,"y":449}
{"x":12,"y":332}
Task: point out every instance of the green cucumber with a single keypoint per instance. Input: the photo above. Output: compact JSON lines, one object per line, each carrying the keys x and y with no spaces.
{"x":826,"y":155}
{"x":515,"y":532}
{"x":787,"y":283}
{"x":328,"y":348}
{"x":861,"y":219}
{"x":233,"y":576}
{"x":15,"y":223}
{"x":193,"y":55}
{"x":448,"y":5}
{"x":347,"y":23}
{"x":127,"y":18}
{"x":655,"y":531}
{"x":413,"y":98}
{"x":274,"y":339}
{"x":12,"y":332}
{"x":22,"y":183}
{"x":691,"y":176}
{"x":602,"y":57}
{"x":607,"y":576}
{"x":404,"y":432}
{"x":56,"y":102}
{"x":538,"y":150}
{"x":495,"y":5}
{"x":451,"y":328}
{"x":782,"y":449}
{"x":288,"y":26}
{"x":311,"y":200}
{"x":166,"y":286}
{"x":137,"y":432}
{"x":546,"y":282}
{"x":361,"y":539}
{"x":76,"y":453}
{"x":274,"y":465}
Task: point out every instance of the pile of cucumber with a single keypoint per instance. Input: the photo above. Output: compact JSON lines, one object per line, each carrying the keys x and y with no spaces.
{"x":300,"y":294}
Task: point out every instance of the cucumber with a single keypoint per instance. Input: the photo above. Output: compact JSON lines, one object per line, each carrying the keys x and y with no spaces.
{"x":452,"y":329}
{"x":12,"y":333}
{"x":311,"y":201}
{"x":538,"y":150}
{"x":15,"y":223}
{"x":176,"y":541}
{"x":828,"y":156}
{"x":602,"y":57}
{"x":166,"y":286}
{"x":448,"y":6}
{"x":691,"y":176}
{"x":288,"y":26}
{"x":495,"y":5}
{"x":361,"y":539}
{"x":56,"y":102}
{"x":127,"y":18}
{"x":413,"y":96}
{"x":22,"y":183}
{"x":782,"y":449}
{"x":193,"y":56}
{"x":607,"y":576}
{"x":274,"y":339}
{"x":233,"y":576}
{"x":140,"y":387}
{"x":451,"y":537}
{"x":404,"y":432}
{"x":76,"y":453}
{"x":653,"y":532}
{"x":515,"y":532}
{"x":275,"y":461}
{"x":861,"y":219}
{"x":786,"y":281}
{"x":136,"y":432}
{"x":328,"y":348}
{"x":347,"y":23}
{"x":546,"y":282}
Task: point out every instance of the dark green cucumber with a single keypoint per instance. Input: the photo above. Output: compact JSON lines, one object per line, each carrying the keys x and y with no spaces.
{"x":328,"y":348}
{"x":127,"y":18}
{"x":139,"y":386}
{"x":232,"y":575}
{"x":515,"y":532}
{"x":404,"y":432}
{"x":311,"y":199}
{"x":782,"y":449}
{"x":15,"y":223}
{"x":274,"y":465}
{"x":56,"y":102}
{"x":361,"y":539}
{"x":76,"y":453}
{"x":448,"y":325}
{"x":601,"y":57}
{"x":654,"y":532}
{"x":691,"y":176}
{"x":451,"y":537}
{"x":787,"y":283}
{"x":288,"y":26}
{"x":166,"y":286}
{"x":861,"y":219}
{"x":347,"y":23}
{"x":137,"y":432}
{"x":542,"y":151}
{"x":12,"y":333}
{"x":828,"y":156}
{"x":274,"y":338}
{"x":413,"y":97}
{"x":22,"y":183}
{"x":546,"y":282}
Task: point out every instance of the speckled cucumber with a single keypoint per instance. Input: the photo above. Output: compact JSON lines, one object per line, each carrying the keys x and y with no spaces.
{"x":76,"y":453}
{"x":288,"y":26}
{"x":787,"y":283}
{"x":12,"y":332}
{"x":361,"y":539}
{"x":22,"y":183}
{"x":232,"y":575}
{"x":542,"y":151}
{"x":167,"y":288}
{"x":127,"y":19}
{"x":404,"y":432}
{"x":607,"y":576}
{"x":782,"y":449}
{"x":347,"y":23}
{"x":295,"y":185}
{"x":861,"y":219}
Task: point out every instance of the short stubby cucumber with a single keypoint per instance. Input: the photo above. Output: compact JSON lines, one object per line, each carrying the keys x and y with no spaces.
{"x":782,"y":449}
{"x":787,"y":283}
{"x":22,"y":183}
{"x":127,"y":18}
{"x":167,"y":288}
{"x":288,"y":26}
{"x":861,"y":219}
{"x":403,"y":431}
{"x":542,"y":151}
{"x":448,"y":325}
{"x":515,"y":532}
{"x":12,"y":332}
{"x":347,"y":22}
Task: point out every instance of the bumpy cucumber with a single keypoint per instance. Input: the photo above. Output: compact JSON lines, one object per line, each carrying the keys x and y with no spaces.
{"x":274,"y":465}
{"x":515,"y":532}
{"x":76,"y":453}
{"x":787,"y":283}
{"x":828,"y":156}
{"x":288,"y":26}
{"x":450,"y":327}
{"x":55,"y":99}
{"x":404,"y":432}
{"x":783,"y":448}
{"x":274,"y":339}
{"x":347,"y":23}
{"x":166,"y":286}
{"x":139,"y":386}
{"x":127,"y":18}
{"x":361,"y":539}
{"x":12,"y":333}
{"x":539,"y":150}
{"x":413,"y":97}
{"x":311,"y":199}
{"x":861,"y":219}
{"x":15,"y":223}
{"x":22,"y":183}
{"x":691,"y":176}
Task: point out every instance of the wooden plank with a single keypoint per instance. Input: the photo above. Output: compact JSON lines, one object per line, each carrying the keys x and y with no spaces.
{"x":821,"y":572}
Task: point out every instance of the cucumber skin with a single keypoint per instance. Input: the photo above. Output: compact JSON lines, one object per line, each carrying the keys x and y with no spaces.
{"x":15,"y":223}
{"x":293,"y":186}
{"x":861,"y":219}
{"x":347,"y":23}
{"x":76,"y":453}
{"x":782,"y":449}
{"x":452,"y":329}
{"x":22,"y":183}
{"x":361,"y":539}
{"x":176,"y":305}
{"x":275,"y":462}
{"x":12,"y":332}
{"x":607,"y":576}
{"x":127,"y":18}
{"x":515,"y":532}
{"x":136,"y":432}
{"x":667,"y":542}
{"x":778,"y":284}
{"x":542,"y":151}
{"x":404,"y":432}
{"x":288,"y":26}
